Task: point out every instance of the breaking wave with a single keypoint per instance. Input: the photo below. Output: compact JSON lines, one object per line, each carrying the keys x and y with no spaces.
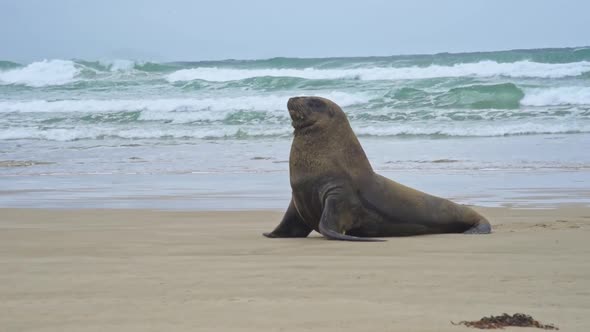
{"x":251,"y":103}
{"x":58,"y":72}
{"x":477,"y":69}
{"x":42,"y":73}
{"x":558,"y":96}
{"x":522,"y":92}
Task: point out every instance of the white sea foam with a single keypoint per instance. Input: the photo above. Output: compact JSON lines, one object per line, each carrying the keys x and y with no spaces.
{"x":481,"y":129}
{"x":207,"y":116}
{"x":42,"y":73}
{"x":477,"y":69}
{"x":557,"y":96}
{"x":449,"y":128}
{"x":61,"y":134}
{"x":250,"y":103}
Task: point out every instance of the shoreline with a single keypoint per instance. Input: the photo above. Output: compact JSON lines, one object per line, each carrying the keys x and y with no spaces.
{"x":132,"y":270}
{"x":271,"y":190}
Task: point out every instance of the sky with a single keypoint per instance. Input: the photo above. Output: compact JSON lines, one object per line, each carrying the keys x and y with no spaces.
{"x":176,"y":30}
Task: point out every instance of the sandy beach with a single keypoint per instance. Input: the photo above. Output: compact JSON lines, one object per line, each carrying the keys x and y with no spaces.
{"x":146,"y":146}
{"x":143,"y":270}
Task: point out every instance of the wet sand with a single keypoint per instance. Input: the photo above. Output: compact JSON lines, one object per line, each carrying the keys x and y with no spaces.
{"x":143,"y":270}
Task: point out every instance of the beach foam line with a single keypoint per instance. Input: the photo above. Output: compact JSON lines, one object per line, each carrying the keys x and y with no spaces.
{"x":247,"y":131}
{"x":93,"y":132}
{"x":474,"y":129}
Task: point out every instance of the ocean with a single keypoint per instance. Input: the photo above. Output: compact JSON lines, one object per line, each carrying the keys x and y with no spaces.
{"x":505,"y":128}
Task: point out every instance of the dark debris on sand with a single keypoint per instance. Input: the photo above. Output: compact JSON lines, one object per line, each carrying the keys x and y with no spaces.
{"x":499,"y":322}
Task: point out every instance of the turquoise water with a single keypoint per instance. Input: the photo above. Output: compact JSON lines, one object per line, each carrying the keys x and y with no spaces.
{"x":445,"y":113}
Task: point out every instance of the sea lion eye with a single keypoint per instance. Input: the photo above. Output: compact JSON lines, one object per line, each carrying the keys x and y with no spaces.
{"x":316,"y":103}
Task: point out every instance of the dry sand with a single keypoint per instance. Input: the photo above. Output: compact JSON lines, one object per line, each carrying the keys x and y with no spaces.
{"x":139,"y":270}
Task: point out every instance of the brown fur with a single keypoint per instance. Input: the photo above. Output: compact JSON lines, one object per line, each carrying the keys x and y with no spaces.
{"x":336,"y":191}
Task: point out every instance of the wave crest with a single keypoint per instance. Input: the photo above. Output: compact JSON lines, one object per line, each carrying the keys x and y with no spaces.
{"x":557,"y":96}
{"x":476,"y":69}
{"x":252,"y":103}
{"x":42,"y":73}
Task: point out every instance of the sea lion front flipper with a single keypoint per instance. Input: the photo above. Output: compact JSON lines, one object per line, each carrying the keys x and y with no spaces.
{"x":291,"y":226}
{"x":333,"y":220}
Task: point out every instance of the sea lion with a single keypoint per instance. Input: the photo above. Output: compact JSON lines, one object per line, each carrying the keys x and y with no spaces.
{"x":336,"y":192}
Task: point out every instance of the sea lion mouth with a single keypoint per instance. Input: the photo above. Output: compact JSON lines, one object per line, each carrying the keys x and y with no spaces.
{"x":300,"y":122}
{"x":298,"y":119}
{"x":295,"y":115}
{"x":300,"y":112}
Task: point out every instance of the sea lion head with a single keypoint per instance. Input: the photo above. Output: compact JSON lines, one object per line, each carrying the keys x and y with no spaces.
{"x":323,"y":141}
{"x":311,"y":111}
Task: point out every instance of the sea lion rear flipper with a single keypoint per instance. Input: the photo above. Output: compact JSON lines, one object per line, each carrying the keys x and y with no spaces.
{"x":291,"y":226}
{"x":482,"y":227}
{"x":331,"y":225}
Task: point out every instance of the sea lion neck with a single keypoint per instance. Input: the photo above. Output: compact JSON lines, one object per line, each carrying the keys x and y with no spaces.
{"x":328,"y":147}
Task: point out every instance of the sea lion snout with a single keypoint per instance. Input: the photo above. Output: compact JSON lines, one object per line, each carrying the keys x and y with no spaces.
{"x":297,"y":109}
{"x":306,"y":111}
{"x":293,"y":102}
{"x":300,"y":112}
{"x":294,"y":108}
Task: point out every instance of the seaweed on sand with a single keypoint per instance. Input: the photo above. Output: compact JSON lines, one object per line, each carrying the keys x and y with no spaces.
{"x":499,"y":322}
